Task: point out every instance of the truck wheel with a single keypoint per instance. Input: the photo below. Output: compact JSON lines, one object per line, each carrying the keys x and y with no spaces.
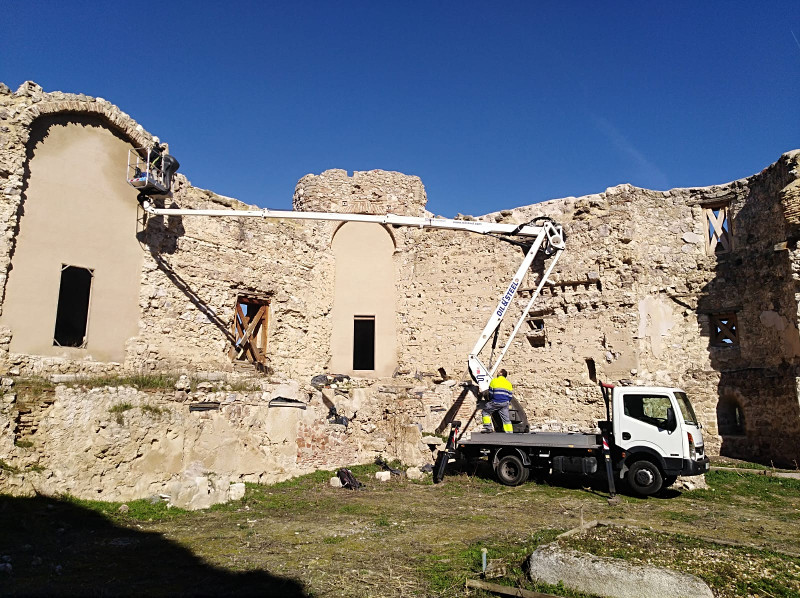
{"x":669,"y":480}
{"x":645,"y":478}
{"x":510,"y":470}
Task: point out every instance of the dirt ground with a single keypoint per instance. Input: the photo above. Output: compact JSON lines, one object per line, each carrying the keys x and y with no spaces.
{"x":400,"y":538}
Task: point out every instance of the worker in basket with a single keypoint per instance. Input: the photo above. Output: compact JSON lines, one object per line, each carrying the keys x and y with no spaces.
{"x":500,"y":395}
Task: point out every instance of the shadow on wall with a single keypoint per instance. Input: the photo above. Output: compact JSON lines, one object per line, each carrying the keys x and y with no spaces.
{"x":161,"y":235}
{"x":758,"y":416}
{"x":57,"y":548}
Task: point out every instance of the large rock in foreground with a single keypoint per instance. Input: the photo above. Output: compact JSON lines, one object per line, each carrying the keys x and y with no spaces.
{"x":614,"y":578}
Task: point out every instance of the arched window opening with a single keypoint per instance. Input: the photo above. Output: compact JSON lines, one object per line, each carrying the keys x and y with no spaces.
{"x":730,"y":417}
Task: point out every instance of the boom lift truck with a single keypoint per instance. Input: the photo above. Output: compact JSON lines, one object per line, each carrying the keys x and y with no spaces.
{"x":645,"y":458}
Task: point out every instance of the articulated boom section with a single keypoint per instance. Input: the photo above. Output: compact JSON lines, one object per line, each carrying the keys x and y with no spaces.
{"x":542,"y":234}
{"x":551,"y":240}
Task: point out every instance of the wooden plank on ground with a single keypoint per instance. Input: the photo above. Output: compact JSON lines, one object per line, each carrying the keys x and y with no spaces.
{"x":506,"y":590}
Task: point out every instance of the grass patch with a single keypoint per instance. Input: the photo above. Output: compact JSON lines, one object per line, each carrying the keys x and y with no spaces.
{"x":244,"y":386}
{"x":729,"y":462}
{"x":118,"y":410}
{"x":333,"y":539}
{"x":23,"y":443}
{"x":399,"y":538}
{"x":681,"y":516}
{"x":446,"y":572}
{"x":354,"y":509}
{"x":732,"y":486}
{"x":138,"y":510}
{"x":8,"y":468}
{"x":152,"y":410}
{"x":142,"y":381}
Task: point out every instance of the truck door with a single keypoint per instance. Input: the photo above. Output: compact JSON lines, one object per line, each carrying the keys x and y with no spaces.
{"x":643,"y":421}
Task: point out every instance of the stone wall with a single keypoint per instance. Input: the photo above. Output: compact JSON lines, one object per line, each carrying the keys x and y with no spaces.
{"x":635,"y":296}
{"x":120,"y":443}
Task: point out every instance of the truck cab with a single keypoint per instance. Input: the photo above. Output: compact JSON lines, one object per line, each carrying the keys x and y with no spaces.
{"x":656,"y":436}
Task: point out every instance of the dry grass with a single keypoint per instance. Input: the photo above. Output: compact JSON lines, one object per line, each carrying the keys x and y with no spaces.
{"x":405,"y":538}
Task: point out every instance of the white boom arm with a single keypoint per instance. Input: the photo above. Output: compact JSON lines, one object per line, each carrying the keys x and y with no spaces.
{"x":548,"y":234}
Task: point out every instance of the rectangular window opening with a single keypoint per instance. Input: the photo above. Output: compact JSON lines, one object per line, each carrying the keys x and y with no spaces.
{"x":249,"y":330}
{"x":364,"y":343}
{"x":724,"y":330}
{"x":718,"y":229}
{"x":72,"y":314}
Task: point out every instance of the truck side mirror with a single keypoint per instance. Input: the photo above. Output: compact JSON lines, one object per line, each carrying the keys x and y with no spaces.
{"x":672,"y":422}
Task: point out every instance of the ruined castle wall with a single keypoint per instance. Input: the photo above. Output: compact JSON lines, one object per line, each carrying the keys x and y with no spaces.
{"x":635,"y":296}
{"x":196,"y":268}
{"x":636,"y":293}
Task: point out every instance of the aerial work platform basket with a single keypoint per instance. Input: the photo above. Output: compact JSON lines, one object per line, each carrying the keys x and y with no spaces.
{"x":150,"y":170}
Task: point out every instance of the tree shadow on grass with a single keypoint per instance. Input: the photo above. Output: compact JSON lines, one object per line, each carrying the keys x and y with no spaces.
{"x":56,"y":548}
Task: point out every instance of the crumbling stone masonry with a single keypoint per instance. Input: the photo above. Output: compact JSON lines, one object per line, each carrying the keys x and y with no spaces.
{"x":696,"y":288}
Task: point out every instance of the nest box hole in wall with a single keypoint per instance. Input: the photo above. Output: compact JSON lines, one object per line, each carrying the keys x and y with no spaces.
{"x":592,"y":369}
{"x":536,"y":335}
{"x":364,"y":343}
{"x":72,"y":314}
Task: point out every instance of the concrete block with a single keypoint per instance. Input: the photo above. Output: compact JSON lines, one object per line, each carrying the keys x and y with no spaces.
{"x":236,"y":491}
{"x":383,"y":476}
{"x":414,"y":473}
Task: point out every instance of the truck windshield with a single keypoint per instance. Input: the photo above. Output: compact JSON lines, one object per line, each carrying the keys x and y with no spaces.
{"x":686,"y":408}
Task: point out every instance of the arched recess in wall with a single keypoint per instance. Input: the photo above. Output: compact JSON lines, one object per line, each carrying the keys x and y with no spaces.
{"x":730,"y":417}
{"x":363,"y":331}
{"x":73,"y":288}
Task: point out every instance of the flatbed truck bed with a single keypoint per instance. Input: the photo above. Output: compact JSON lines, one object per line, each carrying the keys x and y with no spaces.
{"x":579,"y":440}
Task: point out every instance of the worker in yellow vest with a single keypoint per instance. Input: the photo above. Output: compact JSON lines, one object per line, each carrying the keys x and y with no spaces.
{"x":500,"y":395}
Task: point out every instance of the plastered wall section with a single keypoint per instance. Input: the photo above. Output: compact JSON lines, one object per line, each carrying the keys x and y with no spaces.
{"x":76,"y":213}
{"x":364,"y":287}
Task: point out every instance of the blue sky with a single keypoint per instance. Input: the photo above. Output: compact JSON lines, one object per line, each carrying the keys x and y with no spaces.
{"x":493,"y":105}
